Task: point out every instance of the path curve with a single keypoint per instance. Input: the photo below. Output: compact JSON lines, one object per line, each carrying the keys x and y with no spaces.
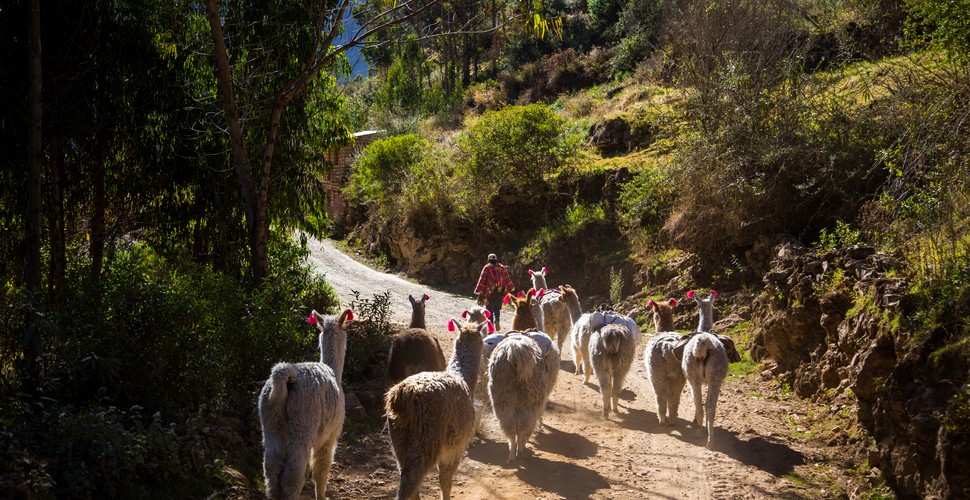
{"x":580,"y":455}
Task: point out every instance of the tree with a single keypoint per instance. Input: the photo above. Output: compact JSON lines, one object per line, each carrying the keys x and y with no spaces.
{"x":298,"y":55}
{"x":35,"y":154}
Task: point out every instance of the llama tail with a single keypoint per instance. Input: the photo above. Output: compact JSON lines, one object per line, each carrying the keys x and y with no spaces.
{"x":283,"y":374}
{"x":612,"y":340}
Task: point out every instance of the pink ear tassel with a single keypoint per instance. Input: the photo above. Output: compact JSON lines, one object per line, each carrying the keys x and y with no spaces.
{"x":488,"y":314}
{"x":544,"y":270}
{"x":530,"y":272}
{"x":673,"y":302}
{"x":451,"y":325}
{"x":520,"y":294}
{"x":311,"y":319}
{"x":506,"y":299}
{"x":651,"y":303}
{"x":491,"y":327}
{"x":690,"y":294}
{"x":464,"y":314}
{"x":427,"y":297}
{"x":542,"y":292}
{"x":713,"y":293}
{"x":350,"y":315}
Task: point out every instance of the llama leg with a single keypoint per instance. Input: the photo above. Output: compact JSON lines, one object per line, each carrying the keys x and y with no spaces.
{"x":320,"y":463}
{"x":577,"y":360}
{"x":273,"y":461}
{"x":695,"y":392}
{"x":605,"y":389}
{"x":618,"y":381}
{"x":673,"y":399}
{"x":446,"y":475}
{"x":587,"y":367}
{"x":413,"y":471}
{"x":293,"y":476}
{"x":513,"y":448}
{"x":713,"y":391}
{"x":661,"y":406}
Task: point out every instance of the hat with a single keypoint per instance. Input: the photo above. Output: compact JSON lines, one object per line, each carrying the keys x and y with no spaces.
{"x":492,"y":257}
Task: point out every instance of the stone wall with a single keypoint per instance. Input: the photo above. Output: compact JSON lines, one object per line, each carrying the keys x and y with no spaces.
{"x":335,"y":178}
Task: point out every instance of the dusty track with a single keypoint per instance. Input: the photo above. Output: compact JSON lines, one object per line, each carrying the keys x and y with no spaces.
{"x":581,"y":455}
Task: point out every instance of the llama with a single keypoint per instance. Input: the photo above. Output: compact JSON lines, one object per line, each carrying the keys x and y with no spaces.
{"x":417,"y":311}
{"x":560,"y":309}
{"x":705,"y":362}
{"x":665,"y":373}
{"x":588,"y":323}
{"x":611,"y":350}
{"x":550,"y":360}
{"x":431,"y":415}
{"x":518,"y":387}
{"x":705,"y":308}
{"x":482,"y":400}
{"x":301,"y":412}
{"x":523,"y":318}
{"x":538,"y":283}
{"x":663,"y":314}
{"x":414,"y":350}
{"x":477,"y":314}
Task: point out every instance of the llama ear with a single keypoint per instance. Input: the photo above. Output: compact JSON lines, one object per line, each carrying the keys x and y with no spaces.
{"x":544,"y":270}
{"x":312,"y":318}
{"x":488,"y":314}
{"x":464,"y":314}
{"x":651,"y":303}
{"x":529,"y":295}
{"x":531,"y":272}
{"x":451,"y":325}
{"x":426,"y":297}
{"x":345,"y":317}
{"x":507,"y":299}
{"x":542,"y":293}
{"x":673,"y":302}
{"x":411,"y":298}
{"x":713,"y":293}
{"x":690,"y":294}
{"x":491,"y":326}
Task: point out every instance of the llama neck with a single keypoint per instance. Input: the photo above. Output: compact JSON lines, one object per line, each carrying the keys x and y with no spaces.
{"x":466,"y":359}
{"x":575,"y":311}
{"x":523,"y":319}
{"x":706,"y":321}
{"x":417,"y":318}
{"x":663,"y":322}
{"x":333,"y":350}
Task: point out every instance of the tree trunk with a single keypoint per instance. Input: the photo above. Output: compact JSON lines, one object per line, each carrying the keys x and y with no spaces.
{"x":32,"y":347}
{"x":58,"y":263}
{"x":98,"y":210}
{"x":255,"y":225}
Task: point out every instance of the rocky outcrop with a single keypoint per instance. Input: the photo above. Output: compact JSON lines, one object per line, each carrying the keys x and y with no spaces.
{"x":836,"y":323}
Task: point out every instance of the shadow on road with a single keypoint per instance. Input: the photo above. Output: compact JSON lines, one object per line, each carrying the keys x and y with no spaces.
{"x":562,"y":478}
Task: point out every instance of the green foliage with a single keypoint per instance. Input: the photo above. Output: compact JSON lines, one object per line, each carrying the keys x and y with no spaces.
{"x":369,"y":334}
{"x":957,"y":416}
{"x":383,"y":168}
{"x":647,"y":200}
{"x":577,"y":216}
{"x":616,"y":285}
{"x":842,"y":235}
{"x":512,"y":151}
{"x":942,"y":25}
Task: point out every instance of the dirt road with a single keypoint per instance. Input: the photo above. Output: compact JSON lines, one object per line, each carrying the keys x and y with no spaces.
{"x":581,"y":455}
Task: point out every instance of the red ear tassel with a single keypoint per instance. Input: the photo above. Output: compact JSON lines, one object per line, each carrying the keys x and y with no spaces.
{"x":651,"y":303}
{"x":542,"y":292}
{"x":488,"y":314}
{"x":311,"y":319}
{"x":713,"y":293}
{"x":350,"y":315}
{"x":491,"y":327}
{"x":519,"y":295}
{"x":673,"y":302}
{"x":464,"y":314}
{"x":543,"y":270}
{"x":427,"y":297}
{"x":531,"y":272}
{"x":507,"y":298}
{"x":690,"y":294}
{"x":451,"y":325}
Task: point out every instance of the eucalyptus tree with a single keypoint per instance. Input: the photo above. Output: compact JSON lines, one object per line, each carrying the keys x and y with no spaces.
{"x":270,"y":57}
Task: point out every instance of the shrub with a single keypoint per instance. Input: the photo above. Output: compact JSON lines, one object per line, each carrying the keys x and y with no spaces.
{"x":646,"y":201}
{"x":369,"y":334}
{"x":381,"y":170}
{"x":512,"y":150}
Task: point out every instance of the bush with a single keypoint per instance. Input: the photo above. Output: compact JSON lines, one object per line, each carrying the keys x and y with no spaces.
{"x":173,"y":340}
{"x":369,"y":334}
{"x":512,"y":151}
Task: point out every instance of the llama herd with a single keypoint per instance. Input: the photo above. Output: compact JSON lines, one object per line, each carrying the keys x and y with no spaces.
{"x":434,"y":409}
